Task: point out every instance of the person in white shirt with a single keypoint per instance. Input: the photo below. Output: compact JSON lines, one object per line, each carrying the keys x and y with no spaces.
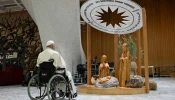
{"x":50,"y":53}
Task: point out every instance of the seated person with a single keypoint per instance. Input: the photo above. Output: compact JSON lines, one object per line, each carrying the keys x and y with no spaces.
{"x":50,"y":53}
{"x":103,"y":70}
{"x":104,"y":67}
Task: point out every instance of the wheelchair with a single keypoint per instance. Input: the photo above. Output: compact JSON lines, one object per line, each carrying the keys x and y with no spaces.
{"x":49,"y":83}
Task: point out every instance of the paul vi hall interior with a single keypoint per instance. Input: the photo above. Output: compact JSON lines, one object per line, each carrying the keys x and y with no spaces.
{"x":87,"y":49}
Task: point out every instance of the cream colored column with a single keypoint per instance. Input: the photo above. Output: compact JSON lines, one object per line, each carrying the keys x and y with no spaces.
{"x":59,"y":20}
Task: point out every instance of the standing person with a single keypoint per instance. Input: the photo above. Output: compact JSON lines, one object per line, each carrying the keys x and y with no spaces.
{"x":125,"y":63}
{"x":50,"y":53}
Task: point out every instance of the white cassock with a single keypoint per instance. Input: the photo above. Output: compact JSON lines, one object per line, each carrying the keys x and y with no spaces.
{"x":48,"y":54}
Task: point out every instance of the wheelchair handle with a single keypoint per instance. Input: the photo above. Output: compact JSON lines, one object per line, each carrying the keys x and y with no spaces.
{"x":60,"y":69}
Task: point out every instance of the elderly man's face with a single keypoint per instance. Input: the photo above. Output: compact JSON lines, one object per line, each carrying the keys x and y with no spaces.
{"x":53,"y":46}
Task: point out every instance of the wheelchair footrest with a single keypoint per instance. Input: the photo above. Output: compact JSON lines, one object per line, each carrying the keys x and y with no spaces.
{"x":72,"y":96}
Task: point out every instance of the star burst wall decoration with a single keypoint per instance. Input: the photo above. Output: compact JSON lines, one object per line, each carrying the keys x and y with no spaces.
{"x":113,"y":18}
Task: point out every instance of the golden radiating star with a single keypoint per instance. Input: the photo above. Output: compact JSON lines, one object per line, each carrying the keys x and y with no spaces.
{"x":111,"y":17}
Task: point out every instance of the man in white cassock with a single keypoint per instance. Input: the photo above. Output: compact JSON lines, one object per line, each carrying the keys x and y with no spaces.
{"x":50,"y":53}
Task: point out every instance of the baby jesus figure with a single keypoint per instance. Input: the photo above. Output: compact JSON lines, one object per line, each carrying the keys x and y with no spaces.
{"x":104,"y":79}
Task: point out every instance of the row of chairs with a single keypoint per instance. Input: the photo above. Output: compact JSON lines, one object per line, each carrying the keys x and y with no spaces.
{"x":82,"y":68}
{"x":81,"y":76}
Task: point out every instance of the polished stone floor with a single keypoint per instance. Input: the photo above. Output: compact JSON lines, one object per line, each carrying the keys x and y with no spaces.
{"x":166,"y":91}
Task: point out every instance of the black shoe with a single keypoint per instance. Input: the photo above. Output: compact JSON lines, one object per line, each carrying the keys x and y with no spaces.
{"x":75,"y":95}
{"x":67,"y":95}
{"x":61,"y":93}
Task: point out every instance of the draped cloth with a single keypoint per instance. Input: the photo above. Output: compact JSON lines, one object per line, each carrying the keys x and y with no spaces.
{"x":124,"y":69}
{"x":48,"y":54}
{"x":113,"y":82}
{"x":104,"y":70}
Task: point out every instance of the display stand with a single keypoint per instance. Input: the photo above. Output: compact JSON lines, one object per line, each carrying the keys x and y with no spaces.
{"x":116,"y":63}
{"x":88,"y":54}
{"x":145,"y":48}
{"x":90,"y":89}
{"x":138,"y":60}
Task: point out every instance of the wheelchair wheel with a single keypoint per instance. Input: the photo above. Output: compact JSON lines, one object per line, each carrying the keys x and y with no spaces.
{"x":69,"y":91}
{"x":56,"y":88}
{"x":36,"y":91}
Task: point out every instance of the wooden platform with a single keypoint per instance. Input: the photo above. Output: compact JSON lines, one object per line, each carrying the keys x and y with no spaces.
{"x":91,"y":89}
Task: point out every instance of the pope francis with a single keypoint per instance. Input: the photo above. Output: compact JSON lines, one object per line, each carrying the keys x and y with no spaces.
{"x":50,"y":53}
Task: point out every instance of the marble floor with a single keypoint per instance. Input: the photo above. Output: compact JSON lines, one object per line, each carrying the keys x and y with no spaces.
{"x":165,"y":91}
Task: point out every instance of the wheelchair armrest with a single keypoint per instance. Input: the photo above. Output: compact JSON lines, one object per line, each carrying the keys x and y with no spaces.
{"x":59,"y":69}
